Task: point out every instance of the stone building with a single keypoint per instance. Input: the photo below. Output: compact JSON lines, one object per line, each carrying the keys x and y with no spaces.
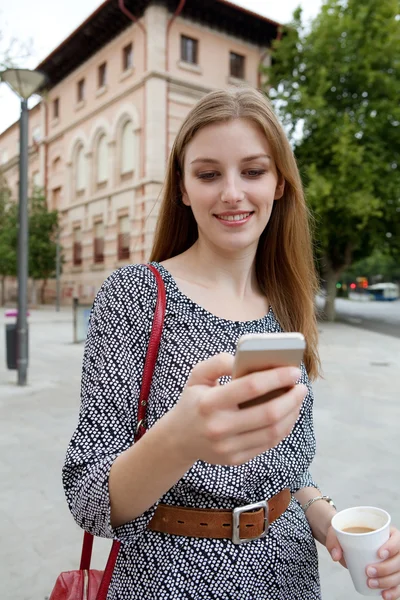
{"x":119,"y":87}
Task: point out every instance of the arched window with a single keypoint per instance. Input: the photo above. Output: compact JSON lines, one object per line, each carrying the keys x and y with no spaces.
{"x":127,"y":150}
{"x":102,"y":160}
{"x":80,"y":170}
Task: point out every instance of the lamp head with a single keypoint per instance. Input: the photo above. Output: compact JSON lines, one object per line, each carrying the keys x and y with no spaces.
{"x":24,"y":82}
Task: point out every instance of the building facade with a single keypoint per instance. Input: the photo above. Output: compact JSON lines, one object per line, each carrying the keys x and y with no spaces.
{"x":118,"y":89}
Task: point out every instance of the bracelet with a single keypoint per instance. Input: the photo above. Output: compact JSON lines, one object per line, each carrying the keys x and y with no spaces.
{"x":327,"y":499}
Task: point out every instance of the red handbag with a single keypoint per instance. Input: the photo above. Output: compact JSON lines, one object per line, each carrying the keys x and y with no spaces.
{"x":87,"y":583}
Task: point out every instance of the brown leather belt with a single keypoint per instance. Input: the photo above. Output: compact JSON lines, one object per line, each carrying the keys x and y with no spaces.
{"x":241,"y":524}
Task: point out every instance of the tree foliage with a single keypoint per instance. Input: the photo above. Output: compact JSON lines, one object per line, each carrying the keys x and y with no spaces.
{"x":337,"y":88}
{"x":43,"y":228}
{"x":8,"y":235}
{"x":380,"y":266}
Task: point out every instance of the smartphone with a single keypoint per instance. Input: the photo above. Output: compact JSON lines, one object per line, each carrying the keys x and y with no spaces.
{"x":261,"y":351}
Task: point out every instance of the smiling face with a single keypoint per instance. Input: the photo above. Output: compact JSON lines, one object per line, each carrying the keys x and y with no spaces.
{"x":230,"y":182}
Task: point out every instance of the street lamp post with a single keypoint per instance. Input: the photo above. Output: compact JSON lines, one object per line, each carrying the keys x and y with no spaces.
{"x":24,"y":83}
{"x":58,"y":270}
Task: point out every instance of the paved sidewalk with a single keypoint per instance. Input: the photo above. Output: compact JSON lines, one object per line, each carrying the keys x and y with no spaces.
{"x":357,"y":417}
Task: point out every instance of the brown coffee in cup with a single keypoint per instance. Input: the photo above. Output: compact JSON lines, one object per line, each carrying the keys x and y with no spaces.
{"x":358,"y":530}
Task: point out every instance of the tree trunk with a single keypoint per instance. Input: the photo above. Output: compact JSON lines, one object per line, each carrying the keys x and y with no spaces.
{"x":3,"y":290}
{"x":43,"y":292}
{"x":34,"y":293}
{"x":331,"y":278}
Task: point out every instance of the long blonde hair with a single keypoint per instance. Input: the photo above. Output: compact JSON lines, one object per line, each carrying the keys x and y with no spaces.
{"x":284,"y":261}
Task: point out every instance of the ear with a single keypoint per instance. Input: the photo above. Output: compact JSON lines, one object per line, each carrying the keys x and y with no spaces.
{"x":280,"y":187}
{"x":185,"y":197}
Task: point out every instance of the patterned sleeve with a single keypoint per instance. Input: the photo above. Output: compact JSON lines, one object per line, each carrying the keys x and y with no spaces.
{"x":304,"y":480}
{"x":306,"y":422}
{"x":111,"y":377}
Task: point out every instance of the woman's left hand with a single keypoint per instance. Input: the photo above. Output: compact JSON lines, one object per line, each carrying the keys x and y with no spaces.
{"x":384,"y":575}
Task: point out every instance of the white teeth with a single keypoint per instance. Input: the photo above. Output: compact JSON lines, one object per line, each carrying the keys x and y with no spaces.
{"x":234,"y":217}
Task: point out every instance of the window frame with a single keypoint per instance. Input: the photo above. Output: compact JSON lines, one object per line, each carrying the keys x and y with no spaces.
{"x":127,"y":57}
{"x":80,"y":90}
{"x":185,"y":50}
{"x":56,"y":108}
{"x":102,"y":75}
{"x":123,"y":250}
{"x":80,"y":170}
{"x":76,"y":248}
{"x":101,"y":179}
{"x":127,"y":173}
{"x":98,"y":242}
{"x":233,"y":56}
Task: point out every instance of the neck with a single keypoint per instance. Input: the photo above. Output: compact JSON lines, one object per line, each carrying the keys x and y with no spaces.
{"x":233,"y":272}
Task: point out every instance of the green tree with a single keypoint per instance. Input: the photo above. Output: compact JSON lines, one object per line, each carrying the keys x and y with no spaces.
{"x":336,"y":86}
{"x":43,"y":228}
{"x":8,"y":235}
{"x":380,"y":266}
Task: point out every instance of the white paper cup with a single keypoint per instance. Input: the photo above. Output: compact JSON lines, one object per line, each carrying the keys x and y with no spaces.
{"x":361,"y":549}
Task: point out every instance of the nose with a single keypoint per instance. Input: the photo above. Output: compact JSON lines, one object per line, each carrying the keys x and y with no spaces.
{"x":231,"y":192}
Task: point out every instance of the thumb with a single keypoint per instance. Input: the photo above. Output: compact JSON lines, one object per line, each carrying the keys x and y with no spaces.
{"x":209,"y":371}
{"x":333,"y":546}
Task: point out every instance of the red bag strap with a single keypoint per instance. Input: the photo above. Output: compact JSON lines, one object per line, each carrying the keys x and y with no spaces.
{"x":149,"y":365}
{"x":152,"y":352}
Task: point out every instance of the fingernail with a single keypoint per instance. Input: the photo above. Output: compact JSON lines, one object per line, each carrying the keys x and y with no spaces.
{"x":371,"y":572}
{"x":388,"y":596}
{"x":373,"y":583}
{"x":384,"y":554}
{"x":335,"y":554}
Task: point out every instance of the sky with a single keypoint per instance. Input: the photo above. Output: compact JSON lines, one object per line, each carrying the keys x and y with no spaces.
{"x":44,"y":24}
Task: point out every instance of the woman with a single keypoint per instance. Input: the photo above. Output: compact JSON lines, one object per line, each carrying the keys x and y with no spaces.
{"x":233,"y":248}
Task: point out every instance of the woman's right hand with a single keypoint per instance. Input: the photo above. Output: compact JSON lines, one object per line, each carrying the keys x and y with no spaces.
{"x":208,"y":424}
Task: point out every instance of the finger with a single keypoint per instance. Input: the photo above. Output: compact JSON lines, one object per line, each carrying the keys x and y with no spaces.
{"x":384,"y":583}
{"x":392,"y":594}
{"x":261,"y":439}
{"x":392,"y":546}
{"x":282,"y":411}
{"x":256,"y":384}
{"x":333,"y":546}
{"x":208,"y":371}
{"x":385,"y":568}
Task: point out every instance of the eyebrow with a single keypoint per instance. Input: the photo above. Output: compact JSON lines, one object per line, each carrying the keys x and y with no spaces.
{"x":215,"y":161}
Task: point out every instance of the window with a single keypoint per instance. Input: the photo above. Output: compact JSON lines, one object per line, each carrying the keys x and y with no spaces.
{"x":36,"y":180}
{"x":77,"y":246}
{"x":127,"y":57}
{"x":55,"y":198}
{"x":36,"y":134}
{"x":98,"y":246}
{"x":55,"y":165}
{"x":56,"y":108}
{"x":80,"y":170}
{"x":127,"y":150}
{"x":123,"y":238}
{"x":81,"y":90}
{"x":237,"y":65}
{"x":4,"y":157}
{"x":189,"y":50}
{"x":102,"y":75}
{"x":102,"y":161}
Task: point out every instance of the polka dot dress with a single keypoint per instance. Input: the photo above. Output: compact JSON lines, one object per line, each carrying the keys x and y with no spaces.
{"x":156,"y":566}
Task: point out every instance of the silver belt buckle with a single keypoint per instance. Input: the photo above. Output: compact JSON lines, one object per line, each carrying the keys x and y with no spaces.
{"x":236,"y":539}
